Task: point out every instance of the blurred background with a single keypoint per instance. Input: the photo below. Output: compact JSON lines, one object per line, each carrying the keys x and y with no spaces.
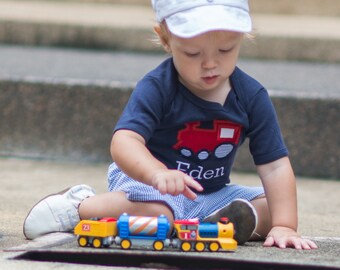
{"x":68,"y":67}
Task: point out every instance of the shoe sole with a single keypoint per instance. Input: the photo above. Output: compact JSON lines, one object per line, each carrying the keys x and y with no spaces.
{"x":50,"y":195}
{"x":242,"y":214}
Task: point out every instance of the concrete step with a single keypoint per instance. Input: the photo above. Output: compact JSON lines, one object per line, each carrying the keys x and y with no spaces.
{"x":62,"y":104}
{"x":293,"y":7}
{"x":297,"y":7}
{"x":129,"y":27}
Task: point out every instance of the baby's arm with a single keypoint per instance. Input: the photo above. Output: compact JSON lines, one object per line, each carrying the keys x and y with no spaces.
{"x":279,"y":183}
{"x":129,"y":152}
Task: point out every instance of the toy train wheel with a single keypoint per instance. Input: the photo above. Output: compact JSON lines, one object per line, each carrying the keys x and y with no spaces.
{"x":83,"y":241}
{"x":186,"y":246}
{"x":125,"y":244}
{"x":214,"y":246}
{"x":97,"y":243}
{"x":158,"y":245}
{"x":199,"y":246}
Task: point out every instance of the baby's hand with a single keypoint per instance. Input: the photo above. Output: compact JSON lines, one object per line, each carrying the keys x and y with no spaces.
{"x":175,"y":182}
{"x":284,"y":237}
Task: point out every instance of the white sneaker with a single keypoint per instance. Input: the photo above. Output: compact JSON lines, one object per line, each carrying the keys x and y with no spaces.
{"x":242,"y":214}
{"x":56,"y":212}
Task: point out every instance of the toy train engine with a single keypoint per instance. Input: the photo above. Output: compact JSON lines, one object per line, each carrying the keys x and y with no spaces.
{"x":96,"y":233}
{"x":142,"y":230}
{"x":192,"y":234}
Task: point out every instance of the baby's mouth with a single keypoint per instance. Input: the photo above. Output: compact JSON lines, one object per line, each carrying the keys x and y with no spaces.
{"x":210,"y":79}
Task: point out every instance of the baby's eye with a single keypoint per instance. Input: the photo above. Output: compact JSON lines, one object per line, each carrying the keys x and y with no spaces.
{"x":224,"y":50}
{"x":191,"y":54}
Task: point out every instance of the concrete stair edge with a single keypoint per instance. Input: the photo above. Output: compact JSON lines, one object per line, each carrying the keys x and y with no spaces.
{"x":45,"y":23}
{"x":297,"y":7}
{"x":264,"y":46}
{"x":34,"y":112}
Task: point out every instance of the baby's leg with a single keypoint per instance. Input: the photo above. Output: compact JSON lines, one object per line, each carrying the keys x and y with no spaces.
{"x":61,"y":211}
{"x":113,"y":204}
{"x":263,"y":218}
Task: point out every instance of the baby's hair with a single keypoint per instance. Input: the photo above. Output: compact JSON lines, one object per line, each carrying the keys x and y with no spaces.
{"x":163,"y":36}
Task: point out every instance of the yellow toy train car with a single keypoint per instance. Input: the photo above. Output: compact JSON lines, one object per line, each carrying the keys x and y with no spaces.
{"x":96,"y":233}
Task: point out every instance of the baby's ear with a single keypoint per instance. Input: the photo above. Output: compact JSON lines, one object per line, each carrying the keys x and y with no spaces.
{"x":158,"y":30}
{"x":162,"y":37}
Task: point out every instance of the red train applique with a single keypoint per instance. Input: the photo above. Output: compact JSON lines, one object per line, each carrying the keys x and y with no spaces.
{"x":202,"y":142}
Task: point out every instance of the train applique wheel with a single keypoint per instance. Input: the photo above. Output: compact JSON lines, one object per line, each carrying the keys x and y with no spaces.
{"x":97,"y":243}
{"x":158,"y":245}
{"x":199,"y":246}
{"x":125,"y":244}
{"x":214,"y":246}
{"x":186,"y":246}
{"x":83,"y":241}
{"x":223,"y":150}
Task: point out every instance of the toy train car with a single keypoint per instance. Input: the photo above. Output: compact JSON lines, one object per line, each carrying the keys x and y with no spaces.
{"x":192,"y":234}
{"x":143,"y":231}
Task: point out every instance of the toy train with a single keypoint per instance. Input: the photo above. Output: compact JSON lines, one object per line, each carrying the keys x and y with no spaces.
{"x":143,"y":231}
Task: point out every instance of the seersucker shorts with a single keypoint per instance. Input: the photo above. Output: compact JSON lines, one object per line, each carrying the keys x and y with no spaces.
{"x":181,"y":206}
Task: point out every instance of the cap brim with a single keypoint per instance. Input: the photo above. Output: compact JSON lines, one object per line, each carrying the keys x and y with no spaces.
{"x":204,"y":19}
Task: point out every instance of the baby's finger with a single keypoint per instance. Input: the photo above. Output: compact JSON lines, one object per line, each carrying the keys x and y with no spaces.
{"x":308,"y":244}
{"x":179,"y":186}
{"x":296,"y":243}
{"x":161,"y":187}
{"x":189,"y":194}
{"x":312,"y":244}
{"x":190,"y":182}
{"x":171,"y":187}
{"x":269,"y":242}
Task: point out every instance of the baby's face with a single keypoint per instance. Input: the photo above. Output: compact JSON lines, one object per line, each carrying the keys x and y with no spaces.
{"x":205,"y":62}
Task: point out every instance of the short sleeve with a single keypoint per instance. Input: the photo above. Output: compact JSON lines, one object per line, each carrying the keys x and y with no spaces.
{"x":143,"y":111}
{"x":265,"y":139}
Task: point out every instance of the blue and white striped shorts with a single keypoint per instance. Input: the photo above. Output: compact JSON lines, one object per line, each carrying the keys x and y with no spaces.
{"x":181,"y":206}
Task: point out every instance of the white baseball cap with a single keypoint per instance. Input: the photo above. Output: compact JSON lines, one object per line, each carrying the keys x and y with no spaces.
{"x":189,"y":18}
